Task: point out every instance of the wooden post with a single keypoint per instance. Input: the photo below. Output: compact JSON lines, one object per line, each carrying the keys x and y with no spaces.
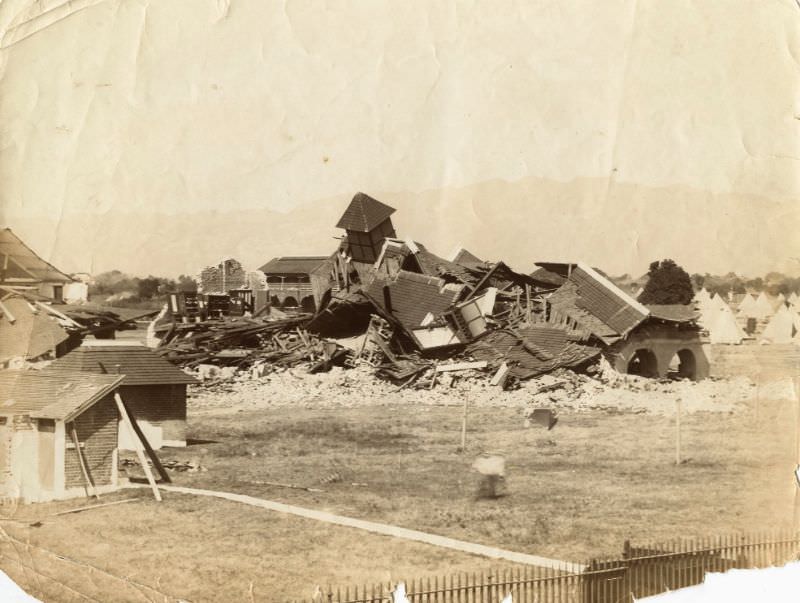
{"x":147,"y":448}
{"x":88,"y":484}
{"x":796,"y":384}
{"x":678,"y":431}
{"x":528,"y":302}
{"x":137,"y":444}
{"x":464,"y":427}
{"x":758,"y":395}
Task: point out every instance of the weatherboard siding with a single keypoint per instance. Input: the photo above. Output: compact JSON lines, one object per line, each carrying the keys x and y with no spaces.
{"x":159,"y":405}
{"x":97,"y":431}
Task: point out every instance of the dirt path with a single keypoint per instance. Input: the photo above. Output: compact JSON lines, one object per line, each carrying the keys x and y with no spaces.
{"x":382,"y":528}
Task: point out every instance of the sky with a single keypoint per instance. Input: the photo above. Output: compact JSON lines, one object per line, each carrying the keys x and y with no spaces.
{"x":118,"y":115}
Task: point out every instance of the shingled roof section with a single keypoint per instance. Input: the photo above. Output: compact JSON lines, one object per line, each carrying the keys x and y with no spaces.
{"x":52,"y":396}
{"x":364,"y":213}
{"x":674,"y":312}
{"x":24,"y":264}
{"x":140,"y":365}
{"x":412,"y":296}
{"x":32,"y":333}
{"x":467,"y":259}
{"x":433,"y":265}
{"x":294,"y":265}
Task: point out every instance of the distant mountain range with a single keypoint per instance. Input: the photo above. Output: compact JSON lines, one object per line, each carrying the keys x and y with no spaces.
{"x":620,"y":228}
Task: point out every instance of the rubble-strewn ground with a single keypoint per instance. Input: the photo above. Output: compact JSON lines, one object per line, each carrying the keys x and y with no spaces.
{"x":562,"y":390}
{"x":606,"y":472}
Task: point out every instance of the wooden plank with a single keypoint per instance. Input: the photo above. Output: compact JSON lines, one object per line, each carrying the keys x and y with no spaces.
{"x":462,"y":366}
{"x":500,"y":376}
{"x":88,"y":483}
{"x":138,"y":446}
{"x":7,"y":313}
{"x":55,"y":312}
{"x":150,"y":452}
{"x":90,"y":507}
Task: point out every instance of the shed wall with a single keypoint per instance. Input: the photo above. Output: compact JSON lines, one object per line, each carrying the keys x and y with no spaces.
{"x":97,"y":430}
{"x":162,"y":406}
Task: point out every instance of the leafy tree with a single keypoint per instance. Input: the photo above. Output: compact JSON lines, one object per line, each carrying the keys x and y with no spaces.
{"x":667,"y":283}
{"x":148,"y":287}
{"x":187,"y":283}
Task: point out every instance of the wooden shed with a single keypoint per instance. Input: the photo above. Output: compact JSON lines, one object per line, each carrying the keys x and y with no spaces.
{"x":58,"y":436}
{"x":153,"y":388}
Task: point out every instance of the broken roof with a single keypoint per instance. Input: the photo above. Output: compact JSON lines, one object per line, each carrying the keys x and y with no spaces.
{"x":597,"y":304}
{"x":139,"y":364}
{"x":532,"y":350}
{"x":294,"y":264}
{"x":673,"y":312}
{"x":23,"y":263}
{"x":411,"y":296}
{"x":27,"y":331}
{"x":467,"y":259}
{"x":364,"y":213}
{"x":52,"y":396}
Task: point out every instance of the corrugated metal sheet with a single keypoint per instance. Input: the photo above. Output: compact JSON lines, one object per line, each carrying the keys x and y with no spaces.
{"x":139,"y":364}
{"x":24,"y":263}
{"x":364,"y":213}
{"x":52,"y":396}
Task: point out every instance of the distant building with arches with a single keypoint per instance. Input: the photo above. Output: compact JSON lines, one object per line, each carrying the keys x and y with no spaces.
{"x":299,"y":284}
{"x":650,"y":341}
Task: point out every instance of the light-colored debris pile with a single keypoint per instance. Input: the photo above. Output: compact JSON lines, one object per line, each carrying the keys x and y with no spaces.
{"x":561,"y":390}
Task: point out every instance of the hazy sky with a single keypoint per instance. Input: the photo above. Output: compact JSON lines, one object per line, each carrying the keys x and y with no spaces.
{"x":195,"y":105}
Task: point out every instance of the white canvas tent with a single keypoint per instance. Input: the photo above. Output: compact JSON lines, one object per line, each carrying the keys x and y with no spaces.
{"x":717,"y":303}
{"x":793,"y":298}
{"x":762,"y":308}
{"x":778,"y":301}
{"x":746,"y":305}
{"x":702,"y":296}
{"x":783,"y":327}
{"x":722,"y":326}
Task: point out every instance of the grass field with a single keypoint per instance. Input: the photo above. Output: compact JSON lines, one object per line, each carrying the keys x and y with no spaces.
{"x":574,"y":492}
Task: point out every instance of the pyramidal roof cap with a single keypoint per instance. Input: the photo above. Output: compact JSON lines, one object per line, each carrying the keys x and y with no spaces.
{"x":364,"y":213}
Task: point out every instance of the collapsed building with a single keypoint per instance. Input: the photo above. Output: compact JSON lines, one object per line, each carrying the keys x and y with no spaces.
{"x":406,"y":310}
{"x":25,"y":271}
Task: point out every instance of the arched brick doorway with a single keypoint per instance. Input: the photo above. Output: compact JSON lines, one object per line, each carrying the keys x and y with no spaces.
{"x":643,"y":363}
{"x":683,"y":365}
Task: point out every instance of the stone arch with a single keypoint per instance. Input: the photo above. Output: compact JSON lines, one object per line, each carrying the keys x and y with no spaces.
{"x":289,"y":302}
{"x":643,"y":363}
{"x":307,"y":303}
{"x":683,"y":365}
{"x":275,"y":301}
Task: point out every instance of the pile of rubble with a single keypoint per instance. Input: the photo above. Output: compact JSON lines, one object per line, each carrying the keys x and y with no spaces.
{"x":561,"y":390}
{"x":244,"y":342}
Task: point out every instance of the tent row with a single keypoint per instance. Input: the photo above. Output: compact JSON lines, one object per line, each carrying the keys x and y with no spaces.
{"x":721,"y":322}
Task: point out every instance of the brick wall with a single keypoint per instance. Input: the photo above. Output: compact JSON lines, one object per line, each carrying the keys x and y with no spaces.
{"x":97,"y":430}
{"x":163,"y":405}
{"x":223,"y":277}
